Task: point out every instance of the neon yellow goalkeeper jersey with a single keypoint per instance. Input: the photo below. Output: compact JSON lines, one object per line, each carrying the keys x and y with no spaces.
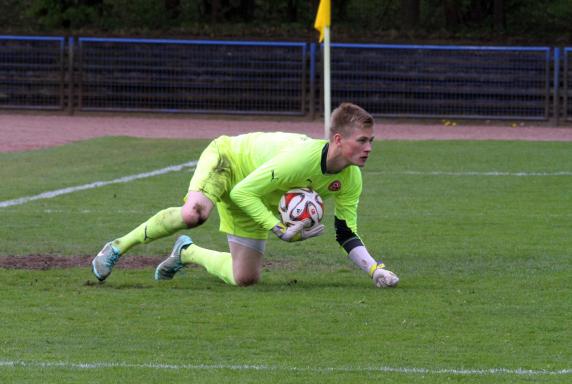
{"x":266,"y":165}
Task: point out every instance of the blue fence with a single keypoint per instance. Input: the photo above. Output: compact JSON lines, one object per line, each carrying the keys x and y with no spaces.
{"x":199,"y":76}
{"x":443,"y":81}
{"x":32,"y":72}
{"x":192,"y":76}
{"x":567,"y":83}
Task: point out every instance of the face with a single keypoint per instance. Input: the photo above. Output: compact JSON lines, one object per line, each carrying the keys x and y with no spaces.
{"x":356,"y":148}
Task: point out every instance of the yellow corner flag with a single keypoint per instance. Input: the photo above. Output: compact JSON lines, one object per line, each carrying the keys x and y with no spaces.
{"x":323,"y":17}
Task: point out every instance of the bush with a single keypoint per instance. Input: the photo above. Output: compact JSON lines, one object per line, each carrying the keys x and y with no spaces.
{"x":546,"y":21}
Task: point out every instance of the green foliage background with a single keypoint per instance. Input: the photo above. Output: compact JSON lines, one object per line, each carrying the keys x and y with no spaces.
{"x":524,"y":21}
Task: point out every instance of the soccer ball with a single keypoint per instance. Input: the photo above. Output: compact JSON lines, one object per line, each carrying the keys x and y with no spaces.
{"x":301,"y":204}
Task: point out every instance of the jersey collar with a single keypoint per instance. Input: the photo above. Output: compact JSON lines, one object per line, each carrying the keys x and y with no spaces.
{"x":324,"y":158}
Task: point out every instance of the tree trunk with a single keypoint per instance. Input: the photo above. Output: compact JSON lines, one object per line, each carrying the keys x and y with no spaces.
{"x":339,"y":10}
{"x":247,"y":10}
{"x":452,"y":14}
{"x":173,"y":8}
{"x":498,"y":16}
{"x":292,"y":11}
{"x":215,"y":10}
{"x":410,"y":10}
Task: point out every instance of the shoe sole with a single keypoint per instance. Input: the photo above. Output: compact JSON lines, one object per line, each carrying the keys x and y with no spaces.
{"x":94,"y":268}
{"x":94,"y":271}
{"x":179,"y":244}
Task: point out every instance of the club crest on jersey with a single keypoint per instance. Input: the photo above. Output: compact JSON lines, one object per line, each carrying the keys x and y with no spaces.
{"x":335,"y":186}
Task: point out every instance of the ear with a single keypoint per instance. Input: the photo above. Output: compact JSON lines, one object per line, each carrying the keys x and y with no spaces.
{"x":337,"y":139}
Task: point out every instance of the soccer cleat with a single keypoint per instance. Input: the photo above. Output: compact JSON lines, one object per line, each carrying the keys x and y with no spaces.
{"x":104,"y":261}
{"x":172,"y":264}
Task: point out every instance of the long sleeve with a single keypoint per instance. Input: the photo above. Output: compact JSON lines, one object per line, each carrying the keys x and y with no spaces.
{"x":268,"y":182}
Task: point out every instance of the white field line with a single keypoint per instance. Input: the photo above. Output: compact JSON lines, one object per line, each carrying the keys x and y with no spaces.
{"x":116,"y":211}
{"x":492,"y":173}
{"x":385,"y":215}
{"x":249,"y":367}
{"x":191,"y":164}
{"x":96,"y":184}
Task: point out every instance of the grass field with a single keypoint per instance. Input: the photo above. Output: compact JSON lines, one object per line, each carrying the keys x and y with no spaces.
{"x":479,"y":233}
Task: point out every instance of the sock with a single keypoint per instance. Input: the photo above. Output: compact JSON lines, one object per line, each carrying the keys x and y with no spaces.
{"x":163,"y":223}
{"x":216,"y":263}
{"x":361,"y":257}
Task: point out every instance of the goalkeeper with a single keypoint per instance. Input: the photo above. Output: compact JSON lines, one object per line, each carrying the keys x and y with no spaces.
{"x":245,"y":176}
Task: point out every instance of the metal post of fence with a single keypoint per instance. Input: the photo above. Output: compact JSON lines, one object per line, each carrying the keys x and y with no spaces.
{"x":304,"y":80}
{"x":556,"y":86}
{"x":71,"y":68}
{"x":312,"y":81}
{"x":62,"y":74}
{"x":79,"y":56}
{"x":321,"y":83}
{"x":565,"y":84}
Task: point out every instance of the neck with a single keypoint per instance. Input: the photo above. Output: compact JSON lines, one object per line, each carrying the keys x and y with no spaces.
{"x":334,"y":160}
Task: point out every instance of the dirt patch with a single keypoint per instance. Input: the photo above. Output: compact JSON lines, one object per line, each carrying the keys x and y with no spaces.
{"x":44,"y":262}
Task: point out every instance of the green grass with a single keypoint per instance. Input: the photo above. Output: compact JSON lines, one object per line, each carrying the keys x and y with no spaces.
{"x":485,"y":265}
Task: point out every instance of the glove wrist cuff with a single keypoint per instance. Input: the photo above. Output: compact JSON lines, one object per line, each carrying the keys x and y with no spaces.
{"x":279,"y":229}
{"x":377,"y":265}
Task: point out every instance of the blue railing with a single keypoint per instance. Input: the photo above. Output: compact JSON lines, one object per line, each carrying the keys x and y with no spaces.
{"x":192,"y":76}
{"x":443,"y":81}
{"x":32,"y":72}
{"x":212,"y":76}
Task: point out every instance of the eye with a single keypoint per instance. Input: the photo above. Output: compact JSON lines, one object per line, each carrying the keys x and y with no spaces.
{"x":364,"y":140}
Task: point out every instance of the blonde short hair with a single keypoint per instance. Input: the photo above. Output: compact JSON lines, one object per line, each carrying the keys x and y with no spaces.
{"x":348,"y":117}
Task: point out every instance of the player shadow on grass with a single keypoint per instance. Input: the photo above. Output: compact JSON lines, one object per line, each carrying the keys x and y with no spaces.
{"x":192,"y":277}
{"x":197,"y":280}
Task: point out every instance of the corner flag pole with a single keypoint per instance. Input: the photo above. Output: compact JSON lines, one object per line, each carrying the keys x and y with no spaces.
{"x":327,"y":83}
{"x":322,"y":24}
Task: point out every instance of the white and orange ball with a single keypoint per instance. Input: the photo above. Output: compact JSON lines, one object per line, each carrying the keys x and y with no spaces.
{"x":301,"y":204}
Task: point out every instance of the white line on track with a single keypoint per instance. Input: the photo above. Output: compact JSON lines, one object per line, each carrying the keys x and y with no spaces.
{"x":96,"y":184}
{"x":248,"y":367}
{"x":492,"y":173}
